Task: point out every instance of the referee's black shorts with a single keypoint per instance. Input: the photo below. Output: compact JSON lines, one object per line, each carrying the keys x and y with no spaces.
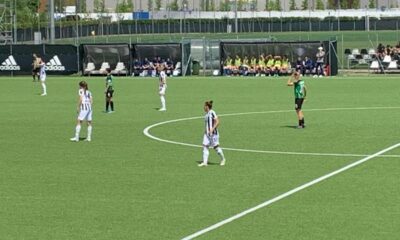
{"x":298,"y":103}
{"x":110,"y":93}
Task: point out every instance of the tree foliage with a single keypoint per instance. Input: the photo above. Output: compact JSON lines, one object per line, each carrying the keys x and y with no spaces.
{"x":224,"y":6}
{"x":174,"y":5}
{"x":371,"y":4}
{"x":331,"y":4}
{"x":278,"y":5}
{"x":212,"y":5}
{"x":99,"y":6}
{"x":304,"y":5}
{"x":240,"y":5}
{"x":27,"y":13}
{"x":320,"y":5}
{"x":158,"y":5}
{"x":124,"y":6}
{"x":292,"y":5}
{"x":150,"y":5}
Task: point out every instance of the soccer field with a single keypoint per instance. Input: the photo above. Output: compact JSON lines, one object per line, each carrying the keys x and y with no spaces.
{"x":126,"y":185}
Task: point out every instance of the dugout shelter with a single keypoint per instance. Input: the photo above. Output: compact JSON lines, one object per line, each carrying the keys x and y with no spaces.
{"x":292,"y":50}
{"x":97,"y":58}
{"x":179,"y":53}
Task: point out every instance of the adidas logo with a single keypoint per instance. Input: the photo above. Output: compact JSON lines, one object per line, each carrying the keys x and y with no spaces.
{"x":10,"y":64}
{"x":55,"y":64}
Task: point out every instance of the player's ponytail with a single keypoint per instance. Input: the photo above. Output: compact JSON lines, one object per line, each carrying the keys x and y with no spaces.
{"x":209,"y":104}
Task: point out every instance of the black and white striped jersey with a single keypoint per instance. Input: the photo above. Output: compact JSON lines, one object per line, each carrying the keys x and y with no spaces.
{"x":86,"y":96}
{"x":210,"y":119}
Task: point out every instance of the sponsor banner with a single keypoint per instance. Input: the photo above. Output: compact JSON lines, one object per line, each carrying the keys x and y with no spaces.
{"x":61,"y":59}
{"x":10,"y":64}
{"x":18,"y":59}
{"x":54,"y":64}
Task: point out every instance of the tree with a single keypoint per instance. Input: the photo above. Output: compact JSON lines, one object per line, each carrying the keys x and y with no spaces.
{"x":99,"y":6}
{"x":124,"y":6}
{"x":277,"y":5}
{"x":150,"y":5}
{"x":355,"y":4}
{"x":331,"y":4}
{"x":158,"y":5}
{"x":304,"y":5}
{"x":320,"y":5}
{"x":292,"y":5}
{"x":174,"y":6}
{"x":253,"y":5}
{"x":212,"y":5}
{"x":203,"y":5}
{"x":27,"y":13}
{"x":224,"y":6}
{"x":82,"y":7}
{"x":344,"y":4}
{"x":371,"y":4}
{"x":185,"y":4}
{"x":240,"y":5}
{"x":269,"y":5}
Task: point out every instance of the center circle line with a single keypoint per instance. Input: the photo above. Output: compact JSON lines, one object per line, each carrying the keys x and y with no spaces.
{"x":146,"y":132}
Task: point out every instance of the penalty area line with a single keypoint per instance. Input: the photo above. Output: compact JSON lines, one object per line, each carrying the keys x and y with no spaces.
{"x":289,"y":193}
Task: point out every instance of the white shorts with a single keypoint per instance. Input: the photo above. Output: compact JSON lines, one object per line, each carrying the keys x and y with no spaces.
{"x":162,"y":90}
{"x":211,"y":141}
{"x":85,"y":115}
{"x":43,"y":78}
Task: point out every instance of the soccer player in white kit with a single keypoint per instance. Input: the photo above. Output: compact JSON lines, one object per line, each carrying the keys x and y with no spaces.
{"x":211,"y":135}
{"x":84,"y":111}
{"x":42,"y":76}
{"x":162,"y":88}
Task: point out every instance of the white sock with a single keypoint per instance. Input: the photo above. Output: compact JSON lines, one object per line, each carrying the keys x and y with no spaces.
{"x":162,"y":101}
{"x":89,"y":132}
{"x":220,"y":153}
{"x":205,"y":155}
{"x":44,"y":88}
{"x":77,"y":131}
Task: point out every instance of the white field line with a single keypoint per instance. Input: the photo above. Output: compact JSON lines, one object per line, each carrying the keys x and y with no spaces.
{"x":287,"y":194}
{"x":146,"y":132}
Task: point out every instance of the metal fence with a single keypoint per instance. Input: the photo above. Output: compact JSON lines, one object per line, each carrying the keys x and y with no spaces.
{"x":273,"y":25}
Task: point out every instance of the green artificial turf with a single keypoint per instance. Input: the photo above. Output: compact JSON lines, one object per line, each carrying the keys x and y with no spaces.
{"x":124,"y":185}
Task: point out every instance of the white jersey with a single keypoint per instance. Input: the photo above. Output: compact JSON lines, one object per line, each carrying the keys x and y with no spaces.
{"x":86,"y":96}
{"x":42,"y":71}
{"x":210,"y":119}
{"x":162,"y":83}
{"x":163,"y":79}
{"x":320,"y":57}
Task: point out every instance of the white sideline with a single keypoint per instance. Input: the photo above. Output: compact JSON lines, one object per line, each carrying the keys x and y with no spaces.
{"x":291,"y":192}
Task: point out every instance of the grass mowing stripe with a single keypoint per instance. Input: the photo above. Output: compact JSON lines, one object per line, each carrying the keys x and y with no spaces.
{"x":287,"y":194}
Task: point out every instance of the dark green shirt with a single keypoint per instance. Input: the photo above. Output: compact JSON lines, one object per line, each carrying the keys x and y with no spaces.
{"x":299,"y":89}
{"x":109,"y":82}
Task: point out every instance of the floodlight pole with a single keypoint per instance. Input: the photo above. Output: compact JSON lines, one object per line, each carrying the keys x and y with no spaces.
{"x":338,"y":19}
{"x":15,"y":38}
{"x":236,"y":16}
{"x":52,"y":27}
